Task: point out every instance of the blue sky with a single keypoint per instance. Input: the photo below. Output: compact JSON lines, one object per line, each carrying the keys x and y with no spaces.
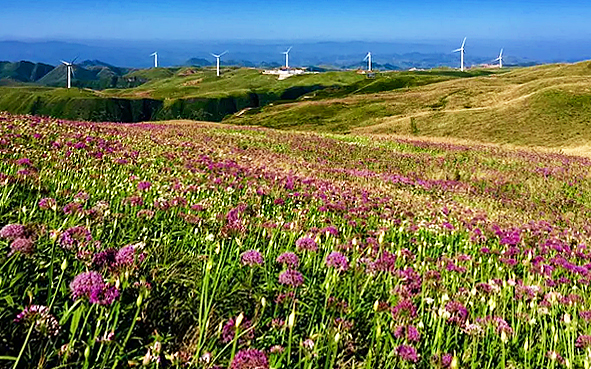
{"x":295,"y":20}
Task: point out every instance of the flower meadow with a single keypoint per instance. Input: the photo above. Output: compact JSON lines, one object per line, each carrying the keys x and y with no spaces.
{"x":207,"y":246}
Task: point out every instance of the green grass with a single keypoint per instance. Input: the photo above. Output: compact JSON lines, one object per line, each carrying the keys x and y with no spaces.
{"x":197,"y":93}
{"x":539,"y":106}
{"x":480,"y":250}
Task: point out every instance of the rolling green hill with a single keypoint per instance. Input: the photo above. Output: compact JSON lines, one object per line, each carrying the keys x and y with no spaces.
{"x":23,"y":71}
{"x":196,"y":93}
{"x":525,"y":106}
{"x":529,"y":106}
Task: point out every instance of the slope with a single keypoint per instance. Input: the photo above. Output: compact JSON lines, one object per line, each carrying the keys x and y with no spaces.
{"x":543,"y":105}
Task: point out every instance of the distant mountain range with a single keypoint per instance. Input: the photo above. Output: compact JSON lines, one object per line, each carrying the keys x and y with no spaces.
{"x":91,"y":73}
{"x":338,"y":55}
{"x":23,"y":71}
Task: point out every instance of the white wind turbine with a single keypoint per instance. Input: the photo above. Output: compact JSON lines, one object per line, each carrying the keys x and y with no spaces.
{"x":368,"y":58}
{"x":500,"y":59}
{"x":286,"y":53}
{"x":217,"y":58}
{"x":461,"y":50}
{"x":155,"y":55}
{"x":69,"y":71}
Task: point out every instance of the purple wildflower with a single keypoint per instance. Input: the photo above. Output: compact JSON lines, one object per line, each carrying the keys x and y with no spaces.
{"x":555,"y":356}
{"x":72,"y":208}
{"x":583,"y":341}
{"x":104,"y":259}
{"x":407,"y":353}
{"x":134,"y":201}
{"x":338,"y":261}
{"x":47,"y":203}
{"x":412,"y":334}
{"x":144,"y":185}
{"x":585,"y":315}
{"x":409,"y":332}
{"x":22,"y":245}
{"x":103,"y":295}
{"x":41,"y":317}
{"x":229,"y":330}
{"x":446,"y":360}
{"x":385,"y":263}
{"x":12,"y":231}
{"x":75,"y":237}
{"x":500,"y":324}
{"x":250,"y":359}
{"x":458,"y":313}
{"x":92,"y":286}
{"x":330,"y":230}
{"x":289,"y":258}
{"x":81,"y":196}
{"x":251,"y":258}
{"x":145,"y":213}
{"x":404,"y":309}
{"x":25,"y":162}
{"x":292,"y":278}
{"x":129,"y":254}
{"x":306,"y":244}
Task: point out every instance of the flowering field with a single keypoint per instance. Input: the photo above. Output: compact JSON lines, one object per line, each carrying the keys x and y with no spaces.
{"x":188,"y":245}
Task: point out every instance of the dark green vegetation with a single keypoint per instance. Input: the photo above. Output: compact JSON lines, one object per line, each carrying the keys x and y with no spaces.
{"x":195,"y":93}
{"x":11,"y":73}
{"x":88,"y":74}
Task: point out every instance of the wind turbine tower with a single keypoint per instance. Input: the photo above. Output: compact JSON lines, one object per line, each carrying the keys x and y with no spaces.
{"x":368,"y":58}
{"x":217,"y":58}
{"x":461,"y":50}
{"x":69,"y":71}
{"x":155,"y":55}
{"x":286,"y":53}
{"x":500,"y":59}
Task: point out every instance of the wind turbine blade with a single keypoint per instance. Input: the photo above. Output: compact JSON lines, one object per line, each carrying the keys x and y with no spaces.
{"x":214,"y":55}
{"x":288,"y":50}
{"x":224,"y":53}
{"x":456,"y":50}
{"x":73,"y":60}
{"x":501,"y":54}
{"x":65,"y":63}
{"x":464,"y":42}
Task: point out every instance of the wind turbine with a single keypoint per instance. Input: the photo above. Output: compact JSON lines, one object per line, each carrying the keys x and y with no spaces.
{"x":286,"y":53}
{"x":500,"y":59}
{"x":368,"y":58}
{"x":217,"y":57}
{"x":155,"y":55}
{"x":69,"y":71}
{"x":461,"y":50}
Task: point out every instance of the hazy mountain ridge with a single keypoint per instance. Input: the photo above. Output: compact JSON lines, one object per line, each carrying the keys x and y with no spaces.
{"x":402,"y":55}
{"x":23,"y":71}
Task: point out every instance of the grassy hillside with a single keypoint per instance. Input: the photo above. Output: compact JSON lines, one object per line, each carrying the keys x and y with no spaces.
{"x":544,"y":105}
{"x":195,"y":93}
{"x":75,"y":104}
{"x":23,"y":71}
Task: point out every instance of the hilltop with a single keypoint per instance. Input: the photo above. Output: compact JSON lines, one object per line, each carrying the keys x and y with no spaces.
{"x":543,"y":105}
{"x":196,"y":93}
{"x":22,"y":71}
{"x":536,"y":106}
